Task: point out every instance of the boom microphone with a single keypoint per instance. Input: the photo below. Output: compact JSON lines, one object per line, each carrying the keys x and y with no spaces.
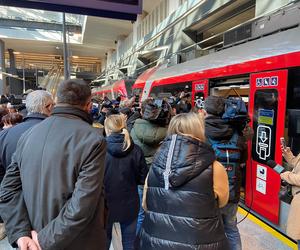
{"x":277,"y":168}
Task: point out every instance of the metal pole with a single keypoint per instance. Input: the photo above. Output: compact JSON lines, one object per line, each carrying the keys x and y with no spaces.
{"x":36,"y":77}
{"x":65,"y":48}
{"x":2,"y":69}
{"x":24,"y":83}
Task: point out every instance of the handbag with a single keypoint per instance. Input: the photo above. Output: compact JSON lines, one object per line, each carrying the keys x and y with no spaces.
{"x":285,"y":193}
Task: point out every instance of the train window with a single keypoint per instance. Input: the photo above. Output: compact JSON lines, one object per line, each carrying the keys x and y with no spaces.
{"x":128,"y":85}
{"x":171,"y":89}
{"x":137,"y":91}
{"x":264,"y":122}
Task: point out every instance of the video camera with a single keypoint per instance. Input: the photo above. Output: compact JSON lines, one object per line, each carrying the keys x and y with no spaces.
{"x":159,"y":111}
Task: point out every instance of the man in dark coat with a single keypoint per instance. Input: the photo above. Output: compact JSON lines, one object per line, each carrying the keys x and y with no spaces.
{"x":51,"y":196}
{"x":39,"y":103}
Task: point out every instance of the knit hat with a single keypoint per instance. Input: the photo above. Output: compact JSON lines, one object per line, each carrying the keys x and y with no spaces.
{"x":214,"y":105}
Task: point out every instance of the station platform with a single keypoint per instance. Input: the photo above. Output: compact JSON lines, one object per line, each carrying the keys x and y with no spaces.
{"x":255,"y":234}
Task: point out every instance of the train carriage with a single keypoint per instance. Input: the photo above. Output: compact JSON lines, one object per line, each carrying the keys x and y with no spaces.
{"x":266,"y":74}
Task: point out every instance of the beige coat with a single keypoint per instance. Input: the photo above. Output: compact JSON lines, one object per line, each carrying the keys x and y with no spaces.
{"x":293,"y":178}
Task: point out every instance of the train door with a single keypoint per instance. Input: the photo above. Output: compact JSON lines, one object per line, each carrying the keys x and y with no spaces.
{"x":267,"y":105}
{"x":199,"y":92}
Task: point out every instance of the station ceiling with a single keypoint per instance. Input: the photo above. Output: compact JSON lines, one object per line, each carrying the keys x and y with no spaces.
{"x":98,"y":35}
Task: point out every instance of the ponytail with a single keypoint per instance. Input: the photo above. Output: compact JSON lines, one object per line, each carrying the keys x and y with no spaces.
{"x":117,"y":124}
{"x":127,"y":141}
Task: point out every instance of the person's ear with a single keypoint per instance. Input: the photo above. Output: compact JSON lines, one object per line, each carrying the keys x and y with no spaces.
{"x":88,"y":107}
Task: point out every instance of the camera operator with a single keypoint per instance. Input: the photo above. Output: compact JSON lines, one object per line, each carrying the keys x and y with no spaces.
{"x":293,"y":178}
{"x":148,"y":132}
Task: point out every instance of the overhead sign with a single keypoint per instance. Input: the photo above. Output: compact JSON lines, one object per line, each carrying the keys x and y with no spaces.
{"x":118,"y":9}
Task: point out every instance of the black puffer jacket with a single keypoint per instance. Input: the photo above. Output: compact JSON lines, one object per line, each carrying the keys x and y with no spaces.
{"x":124,"y":170}
{"x":185,"y":217}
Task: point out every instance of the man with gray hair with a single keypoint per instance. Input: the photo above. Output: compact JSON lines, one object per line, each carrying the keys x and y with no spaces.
{"x":51,"y":196}
{"x":39,"y":105}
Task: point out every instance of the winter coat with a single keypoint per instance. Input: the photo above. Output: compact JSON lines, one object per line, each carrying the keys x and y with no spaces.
{"x":54,"y":184}
{"x":293,"y":178}
{"x":219,"y":130}
{"x":186,"y":216}
{"x":148,"y":136}
{"x":124,"y":170}
{"x":10,"y":137}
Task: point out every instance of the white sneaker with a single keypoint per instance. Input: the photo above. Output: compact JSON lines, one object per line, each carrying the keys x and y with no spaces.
{"x":2,"y":231}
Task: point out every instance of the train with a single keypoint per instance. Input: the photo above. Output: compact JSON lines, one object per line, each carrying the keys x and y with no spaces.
{"x":120,"y":88}
{"x":265,"y":72}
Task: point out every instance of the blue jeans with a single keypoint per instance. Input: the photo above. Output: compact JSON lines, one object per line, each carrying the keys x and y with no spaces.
{"x":230,"y":225}
{"x":141,"y":215}
{"x":128,"y":230}
{"x":298,"y":244}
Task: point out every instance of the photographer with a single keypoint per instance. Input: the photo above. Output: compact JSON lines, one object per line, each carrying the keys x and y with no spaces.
{"x":148,"y":132}
{"x":293,"y":178}
{"x":126,"y":108}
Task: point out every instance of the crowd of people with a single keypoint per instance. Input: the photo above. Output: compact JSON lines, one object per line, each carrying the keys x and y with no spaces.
{"x":154,"y":169}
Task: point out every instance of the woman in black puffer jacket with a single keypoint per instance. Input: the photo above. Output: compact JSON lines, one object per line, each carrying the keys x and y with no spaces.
{"x":125,"y":169}
{"x":184,"y":191}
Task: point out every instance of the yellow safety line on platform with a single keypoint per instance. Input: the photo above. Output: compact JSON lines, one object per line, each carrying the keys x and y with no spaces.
{"x":269,"y":229}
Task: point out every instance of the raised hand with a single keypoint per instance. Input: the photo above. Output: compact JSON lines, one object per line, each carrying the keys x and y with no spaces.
{"x":287,"y":153}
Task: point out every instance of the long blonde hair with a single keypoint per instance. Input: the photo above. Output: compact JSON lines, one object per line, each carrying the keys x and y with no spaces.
{"x":117,"y":124}
{"x":188,"y":124}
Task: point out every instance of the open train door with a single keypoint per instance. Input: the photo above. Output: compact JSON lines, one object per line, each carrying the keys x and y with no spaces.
{"x":267,"y":106}
{"x":199,"y":92}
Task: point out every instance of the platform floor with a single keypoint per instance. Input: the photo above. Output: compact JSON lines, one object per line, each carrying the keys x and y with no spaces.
{"x":254,"y":237}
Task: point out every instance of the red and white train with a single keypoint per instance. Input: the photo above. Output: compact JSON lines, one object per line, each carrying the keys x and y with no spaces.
{"x":266,"y":73}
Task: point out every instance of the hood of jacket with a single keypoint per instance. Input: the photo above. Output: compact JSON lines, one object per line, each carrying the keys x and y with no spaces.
{"x":217,"y":128}
{"x":190,"y":158}
{"x":149,"y":133}
{"x":115,"y":145}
